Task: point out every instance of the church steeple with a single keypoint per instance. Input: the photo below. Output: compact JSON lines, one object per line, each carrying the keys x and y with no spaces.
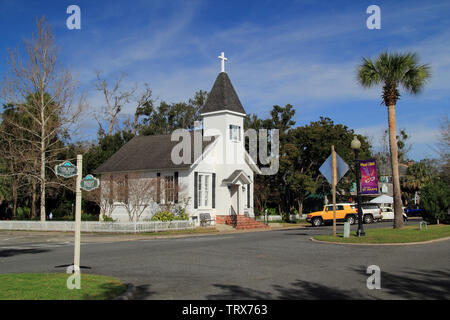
{"x":223,"y":117}
{"x":222,"y":97}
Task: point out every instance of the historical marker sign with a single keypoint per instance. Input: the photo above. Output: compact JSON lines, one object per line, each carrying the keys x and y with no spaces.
{"x":89,"y":183}
{"x":66,"y":169}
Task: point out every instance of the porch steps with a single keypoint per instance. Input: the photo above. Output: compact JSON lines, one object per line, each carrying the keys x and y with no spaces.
{"x":240,"y":222}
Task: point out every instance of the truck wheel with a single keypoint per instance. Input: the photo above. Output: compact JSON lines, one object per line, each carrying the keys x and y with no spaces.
{"x":368,"y":219}
{"x":351,"y":219}
{"x":316,"y":222}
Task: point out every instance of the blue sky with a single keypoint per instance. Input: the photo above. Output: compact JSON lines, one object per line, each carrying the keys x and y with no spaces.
{"x":300,"y":52}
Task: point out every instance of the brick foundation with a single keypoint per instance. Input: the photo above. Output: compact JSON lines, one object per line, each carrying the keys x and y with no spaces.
{"x":240,"y":222}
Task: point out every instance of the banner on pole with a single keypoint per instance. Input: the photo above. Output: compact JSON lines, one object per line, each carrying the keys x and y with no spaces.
{"x":369,"y":178}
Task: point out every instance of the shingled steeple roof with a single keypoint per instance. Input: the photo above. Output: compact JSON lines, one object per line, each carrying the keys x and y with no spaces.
{"x":222,"y":97}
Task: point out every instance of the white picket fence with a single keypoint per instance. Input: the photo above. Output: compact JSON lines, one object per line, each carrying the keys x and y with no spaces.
{"x":94,"y":226}
{"x":277,"y":217}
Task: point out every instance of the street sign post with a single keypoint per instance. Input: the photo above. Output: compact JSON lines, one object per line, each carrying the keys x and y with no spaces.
{"x":76,"y":254}
{"x":89,"y":183}
{"x":333,"y":169}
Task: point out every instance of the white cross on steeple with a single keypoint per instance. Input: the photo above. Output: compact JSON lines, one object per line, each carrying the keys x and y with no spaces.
{"x":222,"y":57}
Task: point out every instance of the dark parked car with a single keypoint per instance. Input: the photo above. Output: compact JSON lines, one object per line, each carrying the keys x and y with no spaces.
{"x":413,"y":210}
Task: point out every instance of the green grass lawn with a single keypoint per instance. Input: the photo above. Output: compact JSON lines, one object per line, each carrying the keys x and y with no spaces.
{"x":52,"y":286}
{"x":390,"y":235}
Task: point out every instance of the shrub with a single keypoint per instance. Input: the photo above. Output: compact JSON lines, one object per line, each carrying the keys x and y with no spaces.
{"x":163,"y":216}
{"x":88,"y":217}
{"x":105,"y":218}
{"x":435,"y":201}
{"x":23,"y":213}
{"x":272,"y":212}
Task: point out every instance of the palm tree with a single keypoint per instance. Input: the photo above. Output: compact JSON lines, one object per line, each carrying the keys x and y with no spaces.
{"x":394,"y":70}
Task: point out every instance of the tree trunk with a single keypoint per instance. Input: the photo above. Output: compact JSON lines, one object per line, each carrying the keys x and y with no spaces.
{"x":42,"y":160}
{"x":398,"y":211}
{"x":14,"y":194}
{"x":33,"y":200}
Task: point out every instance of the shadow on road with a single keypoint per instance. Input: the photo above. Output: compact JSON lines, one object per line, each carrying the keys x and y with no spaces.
{"x":299,"y":290}
{"x":14,"y":252}
{"x":142,"y":292}
{"x":415,"y":284}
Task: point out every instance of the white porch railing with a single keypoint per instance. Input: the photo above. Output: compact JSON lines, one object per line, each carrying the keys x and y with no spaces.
{"x":94,"y":226}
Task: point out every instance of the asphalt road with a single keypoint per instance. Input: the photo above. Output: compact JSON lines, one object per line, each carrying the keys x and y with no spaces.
{"x":281,"y":264}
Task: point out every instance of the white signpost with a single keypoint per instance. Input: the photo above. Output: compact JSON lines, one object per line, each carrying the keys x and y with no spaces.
{"x":76,"y":257}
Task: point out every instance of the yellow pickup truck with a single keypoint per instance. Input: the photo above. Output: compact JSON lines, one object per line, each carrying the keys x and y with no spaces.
{"x":344,"y":212}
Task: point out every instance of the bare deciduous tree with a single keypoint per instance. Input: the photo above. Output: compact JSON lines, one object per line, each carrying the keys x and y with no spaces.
{"x":144,"y":106}
{"x":40,"y":89}
{"x":136,"y":193}
{"x":444,"y":147}
{"x":102,"y":197}
{"x":115,"y":99}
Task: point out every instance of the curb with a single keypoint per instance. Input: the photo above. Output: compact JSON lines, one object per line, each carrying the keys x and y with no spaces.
{"x":127,"y":295}
{"x":384,"y":244}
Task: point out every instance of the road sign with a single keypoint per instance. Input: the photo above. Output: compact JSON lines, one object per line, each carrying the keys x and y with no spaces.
{"x":327,"y":168}
{"x":89,"y":183}
{"x":66,"y":169}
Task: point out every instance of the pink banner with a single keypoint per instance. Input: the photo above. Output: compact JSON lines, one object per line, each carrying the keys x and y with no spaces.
{"x":369,"y":178}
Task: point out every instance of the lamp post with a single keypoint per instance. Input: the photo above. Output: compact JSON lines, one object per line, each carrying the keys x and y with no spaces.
{"x":356,"y":145}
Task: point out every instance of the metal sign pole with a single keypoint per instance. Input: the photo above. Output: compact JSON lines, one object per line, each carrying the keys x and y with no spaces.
{"x":334,"y":169}
{"x":76,"y":260}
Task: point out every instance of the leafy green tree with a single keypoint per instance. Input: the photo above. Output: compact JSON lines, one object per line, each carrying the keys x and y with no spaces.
{"x":314,"y":143}
{"x":303,"y":150}
{"x":103,"y":149}
{"x":435,"y":200}
{"x":166,"y":118}
{"x":393,"y":70}
{"x":419,"y":174}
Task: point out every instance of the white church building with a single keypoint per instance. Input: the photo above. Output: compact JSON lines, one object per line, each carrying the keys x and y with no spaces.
{"x":217,"y":182}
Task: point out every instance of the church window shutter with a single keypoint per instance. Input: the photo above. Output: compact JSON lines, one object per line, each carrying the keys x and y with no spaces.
{"x":176,"y":186}
{"x":213,"y":190}
{"x":248,"y":192}
{"x":195,"y":190}
{"x":158,"y":187}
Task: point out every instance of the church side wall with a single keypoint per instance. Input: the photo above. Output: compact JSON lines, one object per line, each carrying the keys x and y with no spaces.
{"x":120,"y":213}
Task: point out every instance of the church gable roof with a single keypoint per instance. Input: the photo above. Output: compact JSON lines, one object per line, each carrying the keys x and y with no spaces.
{"x":236,"y":176}
{"x":147,"y":153}
{"x":222,"y":96}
